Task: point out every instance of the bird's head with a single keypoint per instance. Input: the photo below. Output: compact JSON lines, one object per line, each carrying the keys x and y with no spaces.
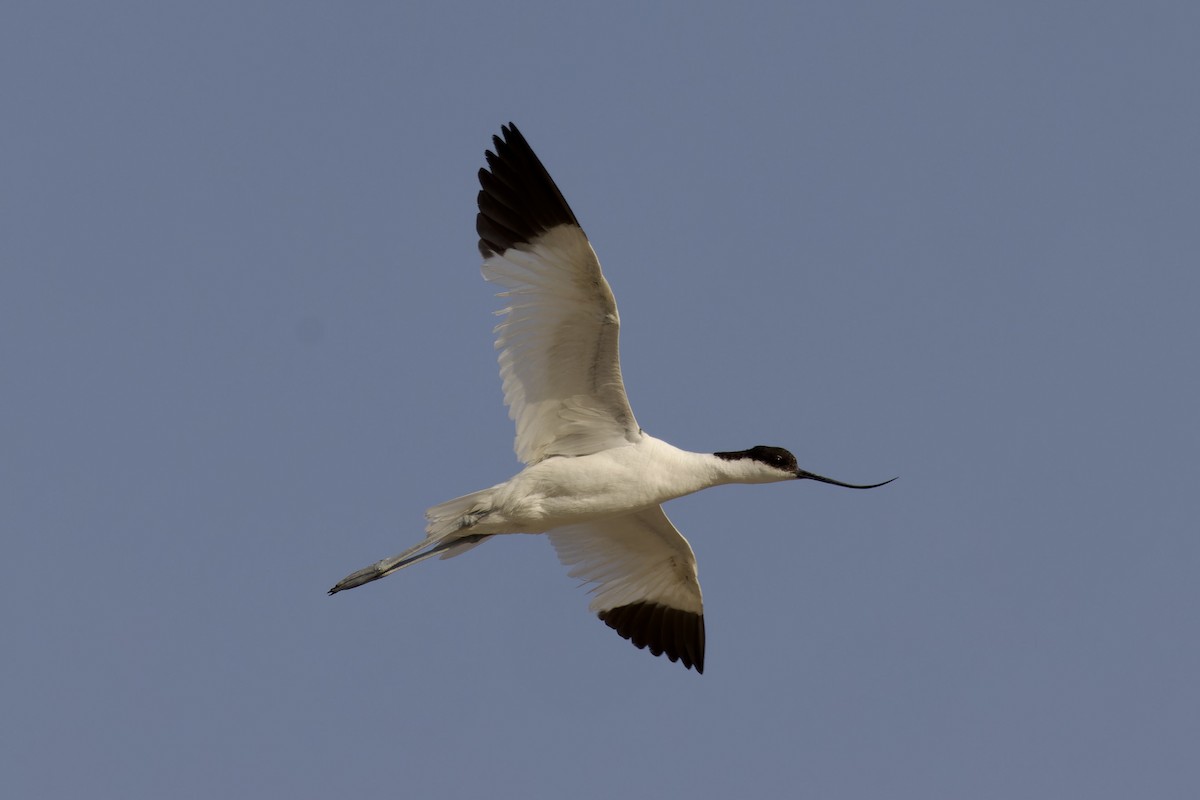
{"x":764,"y":464}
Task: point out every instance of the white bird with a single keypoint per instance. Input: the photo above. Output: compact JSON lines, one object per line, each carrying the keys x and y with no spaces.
{"x":594,"y":481}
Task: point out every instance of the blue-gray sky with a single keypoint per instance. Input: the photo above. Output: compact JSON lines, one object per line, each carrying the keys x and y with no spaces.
{"x":244,"y":343}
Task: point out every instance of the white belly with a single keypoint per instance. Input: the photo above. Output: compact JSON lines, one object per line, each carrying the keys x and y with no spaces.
{"x":566,"y":491}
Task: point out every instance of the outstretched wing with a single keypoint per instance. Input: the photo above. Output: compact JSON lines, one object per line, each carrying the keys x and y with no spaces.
{"x":559,"y":358}
{"x":646,"y":586}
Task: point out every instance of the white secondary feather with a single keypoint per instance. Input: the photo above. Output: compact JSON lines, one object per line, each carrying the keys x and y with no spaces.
{"x":559,"y":358}
{"x":634,"y":558}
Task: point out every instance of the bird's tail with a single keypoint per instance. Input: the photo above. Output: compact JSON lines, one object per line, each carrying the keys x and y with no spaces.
{"x":447,"y":535}
{"x":461,"y":513}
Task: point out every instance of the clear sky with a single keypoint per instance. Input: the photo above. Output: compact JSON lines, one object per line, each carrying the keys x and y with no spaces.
{"x":244,"y":343}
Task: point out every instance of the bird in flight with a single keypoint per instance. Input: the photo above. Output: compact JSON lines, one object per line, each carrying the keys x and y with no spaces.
{"x":593,"y":481}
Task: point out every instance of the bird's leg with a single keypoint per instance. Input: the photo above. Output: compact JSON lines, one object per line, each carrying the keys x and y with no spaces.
{"x":387,"y":566}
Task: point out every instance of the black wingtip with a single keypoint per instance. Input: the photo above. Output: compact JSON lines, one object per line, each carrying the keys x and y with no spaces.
{"x":677,"y":634}
{"x":518,"y":200}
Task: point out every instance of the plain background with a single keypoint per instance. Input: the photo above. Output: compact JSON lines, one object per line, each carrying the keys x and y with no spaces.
{"x":244,"y":343}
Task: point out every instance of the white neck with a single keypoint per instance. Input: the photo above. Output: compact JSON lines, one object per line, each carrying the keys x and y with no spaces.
{"x":684,"y":472}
